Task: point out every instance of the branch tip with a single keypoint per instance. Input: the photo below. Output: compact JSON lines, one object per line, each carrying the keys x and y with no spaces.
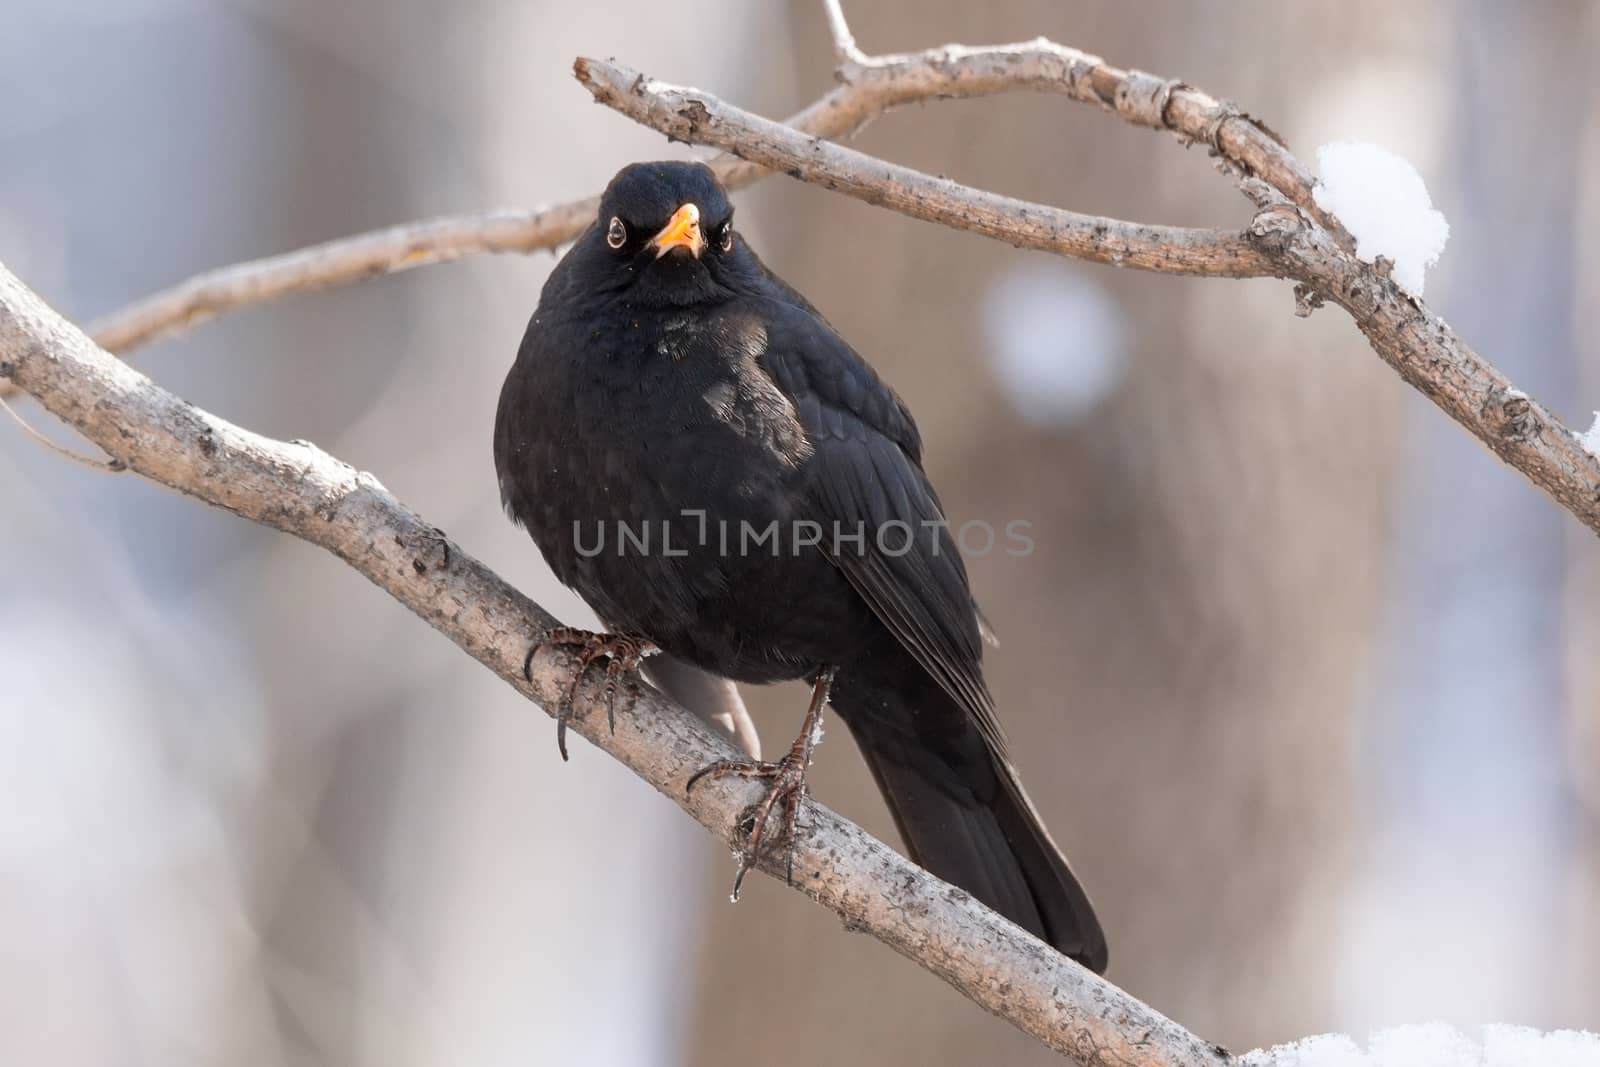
{"x":845,"y":53}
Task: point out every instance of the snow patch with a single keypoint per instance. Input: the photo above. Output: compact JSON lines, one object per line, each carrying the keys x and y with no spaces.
{"x":1590,"y":439}
{"x":1382,"y":201}
{"x":1438,"y":1045}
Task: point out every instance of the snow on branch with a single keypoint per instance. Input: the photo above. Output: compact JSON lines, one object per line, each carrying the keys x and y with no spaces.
{"x":1382,"y":200}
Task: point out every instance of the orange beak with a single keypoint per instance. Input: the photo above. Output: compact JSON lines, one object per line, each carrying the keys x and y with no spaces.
{"x":683,"y":231}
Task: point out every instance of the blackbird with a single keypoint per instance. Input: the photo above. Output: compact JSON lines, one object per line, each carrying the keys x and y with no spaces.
{"x":723,"y":479}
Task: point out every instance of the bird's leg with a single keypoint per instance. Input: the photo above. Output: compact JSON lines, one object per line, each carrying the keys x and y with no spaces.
{"x":624,"y":653}
{"x":786,"y":783}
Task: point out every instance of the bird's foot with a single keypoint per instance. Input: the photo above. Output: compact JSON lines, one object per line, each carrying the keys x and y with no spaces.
{"x":786,"y":786}
{"x":624,"y":653}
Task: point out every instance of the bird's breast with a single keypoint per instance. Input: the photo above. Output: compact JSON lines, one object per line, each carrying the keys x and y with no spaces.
{"x":653,"y":430}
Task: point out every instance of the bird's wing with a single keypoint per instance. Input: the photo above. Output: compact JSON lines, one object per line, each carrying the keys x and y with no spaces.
{"x":865,"y":476}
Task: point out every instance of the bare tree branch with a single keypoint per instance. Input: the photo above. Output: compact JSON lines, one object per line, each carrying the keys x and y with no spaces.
{"x":349,"y":259}
{"x":957,"y":72}
{"x":296,"y":488}
{"x":1283,"y":239}
{"x":689,"y":115}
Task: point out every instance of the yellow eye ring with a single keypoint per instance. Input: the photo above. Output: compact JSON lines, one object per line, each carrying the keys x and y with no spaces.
{"x":616,"y":233}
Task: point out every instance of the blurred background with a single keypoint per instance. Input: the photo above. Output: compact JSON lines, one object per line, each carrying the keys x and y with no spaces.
{"x":1300,"y":676}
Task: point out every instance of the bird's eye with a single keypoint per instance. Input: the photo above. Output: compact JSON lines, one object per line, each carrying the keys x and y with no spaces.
{"x":725,"y":236}
{"x":616,"y":233}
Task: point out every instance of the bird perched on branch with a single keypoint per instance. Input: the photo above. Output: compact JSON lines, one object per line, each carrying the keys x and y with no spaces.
{"x":725,"y":481}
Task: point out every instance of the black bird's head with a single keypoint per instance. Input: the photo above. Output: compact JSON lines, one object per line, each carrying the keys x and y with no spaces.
{"x":667,"y":233}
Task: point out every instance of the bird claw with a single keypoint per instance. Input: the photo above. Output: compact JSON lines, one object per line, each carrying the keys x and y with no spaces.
{"x":624,"y":655}
{"x":786,"y":784}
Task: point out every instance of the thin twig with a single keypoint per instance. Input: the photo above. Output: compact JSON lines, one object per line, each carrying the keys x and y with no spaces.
{"x":845,"y":51}
{"x":303,"y":491}
{"x":349,"y":259}
{"x":1282,"y":240}
{"x":112,"y":467}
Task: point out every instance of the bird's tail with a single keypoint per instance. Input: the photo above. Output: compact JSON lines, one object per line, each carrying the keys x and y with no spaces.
{"x":963,"y":816}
